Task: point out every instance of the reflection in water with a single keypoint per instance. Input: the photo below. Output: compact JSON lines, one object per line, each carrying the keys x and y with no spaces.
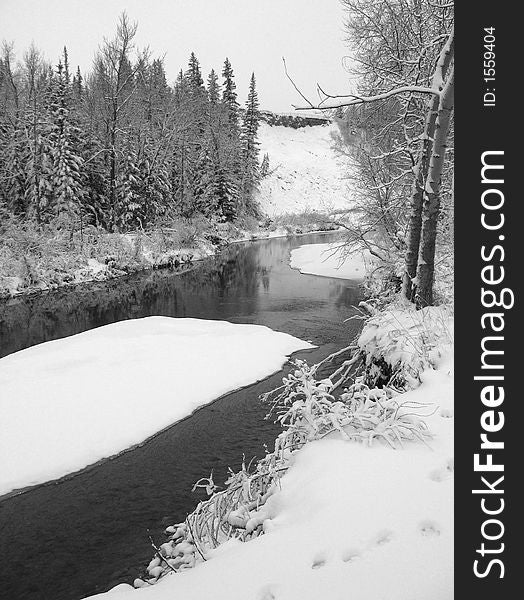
{"x":83,"y":535}
{"x":242,"y":281}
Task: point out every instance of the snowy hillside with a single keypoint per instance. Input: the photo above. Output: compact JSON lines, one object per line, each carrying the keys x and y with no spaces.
{"x":305,"y":171}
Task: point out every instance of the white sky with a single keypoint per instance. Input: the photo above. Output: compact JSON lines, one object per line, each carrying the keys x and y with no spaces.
{"x":254,"y":34}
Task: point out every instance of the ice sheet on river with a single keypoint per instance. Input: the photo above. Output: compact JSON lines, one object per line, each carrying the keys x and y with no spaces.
{"x":68,"y":403}
{"x":327,"y":261}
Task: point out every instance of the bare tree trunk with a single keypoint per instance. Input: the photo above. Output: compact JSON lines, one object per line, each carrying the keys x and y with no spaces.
{"x":420,"y":175}
{"x":431,"y":205}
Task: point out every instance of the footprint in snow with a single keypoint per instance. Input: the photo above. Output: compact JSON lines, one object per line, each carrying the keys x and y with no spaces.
{"x":350,"y":554}
{"x":444,"y":472}
{"x":382,"y":537}
{"x":318,"y":561}
{"x":267,"y":593}
{"x":429,"y":528}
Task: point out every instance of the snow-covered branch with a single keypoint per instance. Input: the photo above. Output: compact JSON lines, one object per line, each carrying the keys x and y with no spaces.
{"x":354,"y":99}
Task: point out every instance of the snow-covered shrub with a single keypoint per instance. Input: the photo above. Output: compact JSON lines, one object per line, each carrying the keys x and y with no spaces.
{"x":403,"y":342}
{"x":309,"y":410}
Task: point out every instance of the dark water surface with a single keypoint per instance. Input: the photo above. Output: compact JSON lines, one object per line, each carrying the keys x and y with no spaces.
{"x":85,"y":534}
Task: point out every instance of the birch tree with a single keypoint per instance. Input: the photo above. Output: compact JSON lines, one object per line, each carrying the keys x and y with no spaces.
{"x":420,"y":172}
{"x":432,"y":197}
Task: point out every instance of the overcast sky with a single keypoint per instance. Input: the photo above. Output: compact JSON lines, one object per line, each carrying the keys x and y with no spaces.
{"x":254,"y":34}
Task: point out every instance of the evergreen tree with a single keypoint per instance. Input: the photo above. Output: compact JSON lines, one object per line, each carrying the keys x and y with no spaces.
{"x":78,"y":85}
{"x":213,"y":88}
{"x":205,"y":191}
{"x":229,"y":97}
{"x":14,"y":172}
{"x":66,"y":165}
{"x":180,"y":89}
{"x":67,"y":75}
{"x":250,"y":146}
{"x":129,"y":204}
{"x":227,"y":193}
{"x":264,"y":167}
{"x":194,"y":77}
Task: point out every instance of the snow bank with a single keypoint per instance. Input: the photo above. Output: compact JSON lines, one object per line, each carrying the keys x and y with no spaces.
{"x":306,"y":174}
{"x":67,"y":403}
{"x":326,"y":260}
{"x":349,"y":520}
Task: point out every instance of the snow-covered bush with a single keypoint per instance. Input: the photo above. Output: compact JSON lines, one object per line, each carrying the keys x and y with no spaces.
{"x":402,"y":342}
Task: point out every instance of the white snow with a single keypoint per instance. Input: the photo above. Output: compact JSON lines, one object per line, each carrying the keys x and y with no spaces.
{"x":68,"y":403}
{"x":350,"y":521}
{"x":306,"y":174}
{"x":327,"y":261}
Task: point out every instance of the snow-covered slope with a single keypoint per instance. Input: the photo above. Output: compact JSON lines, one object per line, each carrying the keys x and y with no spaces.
{"x":305,"y":171}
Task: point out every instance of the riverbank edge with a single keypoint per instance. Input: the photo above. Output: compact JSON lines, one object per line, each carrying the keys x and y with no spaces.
{"x":96,"y":271}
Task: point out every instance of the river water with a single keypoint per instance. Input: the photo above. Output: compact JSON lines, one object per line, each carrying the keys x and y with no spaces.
{"x":88,"y":532}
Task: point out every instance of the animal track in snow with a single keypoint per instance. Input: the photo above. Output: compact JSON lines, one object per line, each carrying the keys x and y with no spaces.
{"x":267,"y":593}
{"x":382,"y":537}
{"x":429,"y":528}
{"x":318,"y":561}
{"x":444,"y":472}
{"x":350,"y":554}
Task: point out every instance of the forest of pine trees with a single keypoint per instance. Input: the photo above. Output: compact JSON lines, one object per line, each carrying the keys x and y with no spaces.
{"x":118,"y":147}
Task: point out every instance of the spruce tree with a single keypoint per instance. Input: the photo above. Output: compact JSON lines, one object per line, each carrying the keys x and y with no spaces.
{"x":194,"y":75}
{"x":264,"y":167}
{"x":67,"y":75}
{"x":78,"y":85}
{"x":66,"y":165}
{"x":250,"y":147}
{"x":229,"y":97}
{"x":229,"y":171}
{"x":213,"y":88}
{"x":194,"y":111}
{"x":180,"y":89}
{"x":128,"y":200}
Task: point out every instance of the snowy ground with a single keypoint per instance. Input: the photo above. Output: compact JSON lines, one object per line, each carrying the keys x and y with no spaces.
{"x":352,"y":520}
{"x":66,"y":404}
{"x":306,"y":174}
{"x":326,"y":260}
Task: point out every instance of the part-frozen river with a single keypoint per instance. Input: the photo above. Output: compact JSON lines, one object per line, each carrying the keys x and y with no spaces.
{"x":88,"y":532}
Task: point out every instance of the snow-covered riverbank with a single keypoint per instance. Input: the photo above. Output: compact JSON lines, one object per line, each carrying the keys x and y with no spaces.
{"x":109,"y":256}
{"x":68,"y":403}
{"x":349,"y":517}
